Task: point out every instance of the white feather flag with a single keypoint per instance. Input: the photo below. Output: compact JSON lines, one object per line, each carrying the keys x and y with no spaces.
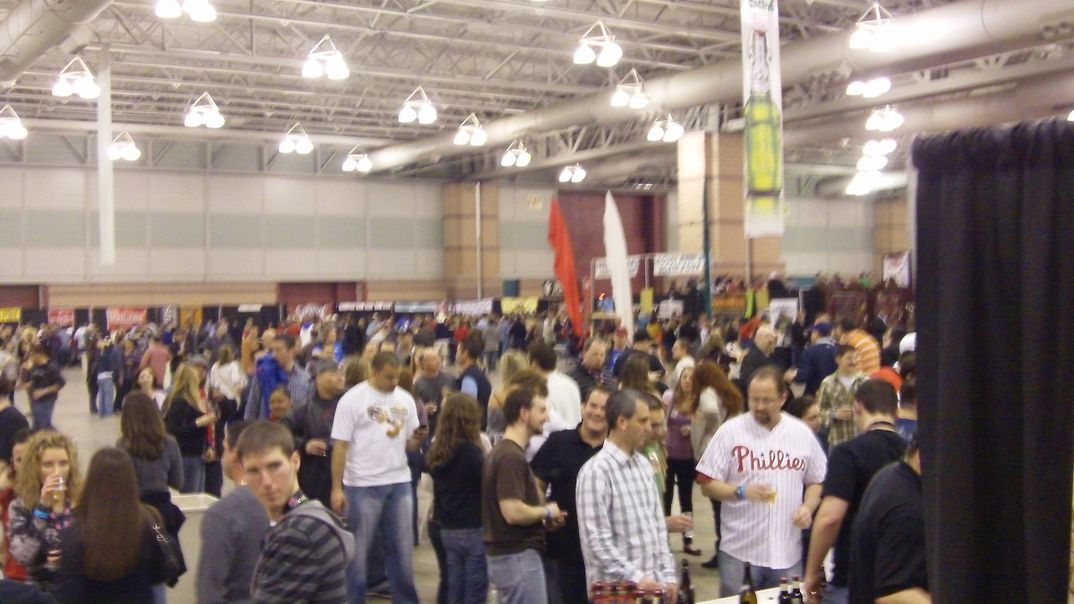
{"x":615,"y":251}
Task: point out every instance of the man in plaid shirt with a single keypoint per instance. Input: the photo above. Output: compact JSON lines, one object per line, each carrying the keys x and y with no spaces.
{"x":836,"y":395}
{"x":621,"y":519}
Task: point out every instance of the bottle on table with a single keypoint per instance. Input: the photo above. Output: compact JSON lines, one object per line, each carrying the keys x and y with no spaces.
{"x":784,"y":591}
{"x":747,"y":595}
{"x":686,"y":587}
{"x":796,"y":593}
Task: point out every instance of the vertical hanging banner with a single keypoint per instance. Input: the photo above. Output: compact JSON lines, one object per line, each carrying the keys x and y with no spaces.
{"x":762,"y":98}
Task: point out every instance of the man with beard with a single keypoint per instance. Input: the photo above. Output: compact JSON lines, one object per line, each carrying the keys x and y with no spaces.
{"x":758,"y":465}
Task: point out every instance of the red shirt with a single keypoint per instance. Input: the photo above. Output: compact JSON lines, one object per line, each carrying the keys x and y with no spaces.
{"x":461,"y":332}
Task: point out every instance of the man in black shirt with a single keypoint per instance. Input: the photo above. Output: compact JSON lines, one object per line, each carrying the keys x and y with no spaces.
{"x":851,"y":466}
{"x":887,"y":545}
{"x":43,"y":385}
{"x":556,"y":465}
{"x":11,"y":421}
{"x":643,"y":343}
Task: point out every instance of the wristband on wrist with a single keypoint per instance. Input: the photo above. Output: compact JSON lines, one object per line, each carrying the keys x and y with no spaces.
{"x":41,"y":513}
{"x":740,"y":492}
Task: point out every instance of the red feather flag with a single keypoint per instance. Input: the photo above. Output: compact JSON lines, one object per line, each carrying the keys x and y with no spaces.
{"x":560,"y":239}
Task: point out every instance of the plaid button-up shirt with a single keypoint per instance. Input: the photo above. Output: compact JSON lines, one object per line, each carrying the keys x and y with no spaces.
{"x":832,"y":396}
{"x":621,"y":520}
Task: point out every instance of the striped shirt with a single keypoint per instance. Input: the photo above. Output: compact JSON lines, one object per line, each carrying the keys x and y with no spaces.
{"x":867,"y":347}
{"x":303,"y":560}
{"x":621,"y":519}
{"x":787,"y":458}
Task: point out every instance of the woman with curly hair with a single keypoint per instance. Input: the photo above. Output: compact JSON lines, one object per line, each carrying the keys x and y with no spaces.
{"x":47,"y":487}
{"x":455,"y":460}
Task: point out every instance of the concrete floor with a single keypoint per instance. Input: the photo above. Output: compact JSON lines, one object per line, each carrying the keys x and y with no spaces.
{"x":91,"y":433}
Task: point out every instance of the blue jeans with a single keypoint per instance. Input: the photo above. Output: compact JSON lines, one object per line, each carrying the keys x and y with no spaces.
{"x":106,"y":395}
{"x":468,"y":581}
{"x":42,"y":412}
{"x":193,"y":474}
{"x":732,"y":570}
{"x":519,"y":578}
{"x":388,"y":508}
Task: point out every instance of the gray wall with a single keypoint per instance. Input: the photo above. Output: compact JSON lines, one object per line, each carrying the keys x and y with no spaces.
{"x":181,"y":226}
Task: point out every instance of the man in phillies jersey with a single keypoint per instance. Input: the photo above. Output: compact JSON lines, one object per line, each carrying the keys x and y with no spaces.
{"x":759,"y":464}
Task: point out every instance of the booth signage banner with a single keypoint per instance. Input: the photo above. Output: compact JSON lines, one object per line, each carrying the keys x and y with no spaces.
{"x":190,"y":316}
{"x":600,"y":268}
{"x":780,"y":308}
{"x":525,"y":305}
{"x":729,"y":304}
{"x":416,"y":307}
{"x":64,"y":317}
{"x":897,"y":268}
{"x":305,"y":312}
{"x":678,"y":264}
{"x":11,"y":314}
{"x":124,"y":317}
{"x":645,"y":301}
{"x":364,"y":306}
{"x":762,"y":116}
{"x":474,"y":308}
{"x":249,"y":308}
{"x":669,"y":309}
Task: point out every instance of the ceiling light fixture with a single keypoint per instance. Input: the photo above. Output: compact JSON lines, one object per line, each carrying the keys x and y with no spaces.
{"x":666,"y":130}
{"x":1070,"y":116}
{"x":630,"y":92}
{"x":296,"y":141}
{"x":886,"y":119}
{"x":574,"y":174}
{"x":873,"y":30}
{"x":863,"y":183}
{"x":516,"y":155}
{"x":325,"y":60}
{"x":11,"y":125}
{"x":471,"y":132}
{"x":357,"y":161}
{"x":884,"y":146}
{"x":200,"y":11}
{"x":598,"y":37}
{"x":418,"y":107}
{"x":869,"y":89}
{"x":123,"y":148}
{"x":76,"y":78}
{"x":204,"y":112}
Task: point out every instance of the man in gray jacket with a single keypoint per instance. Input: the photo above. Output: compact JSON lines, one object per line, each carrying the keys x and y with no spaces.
{"x":231,"y":534}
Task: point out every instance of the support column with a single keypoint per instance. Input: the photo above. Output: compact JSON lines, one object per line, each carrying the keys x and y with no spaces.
{"x":464,"y":225}
{"x":710,"y":165}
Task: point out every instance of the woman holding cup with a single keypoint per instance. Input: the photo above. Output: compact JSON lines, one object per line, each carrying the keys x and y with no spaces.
{"x":47,"y":488}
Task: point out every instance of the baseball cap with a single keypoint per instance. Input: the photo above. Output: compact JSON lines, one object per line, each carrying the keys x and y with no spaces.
{"x":824,"y":329}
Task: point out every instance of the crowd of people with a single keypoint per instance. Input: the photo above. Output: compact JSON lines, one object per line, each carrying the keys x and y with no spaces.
{"x":563,"y":477}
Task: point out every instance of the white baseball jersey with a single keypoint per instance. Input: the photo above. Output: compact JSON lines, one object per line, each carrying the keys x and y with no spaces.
{"x":787,"y":459}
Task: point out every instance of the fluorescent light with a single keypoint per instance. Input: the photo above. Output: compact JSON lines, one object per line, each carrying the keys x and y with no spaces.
{"x":204,"y":112}
{"x":357,"y":161}
{"x":418,"y":107}
{"x":123,"y":148}
{"x":873,"y":30}
{"x":324,"y":59}
{"x":76,"y":78}
{"x":665,"y":130}
{"x":296,"y":141}
{"x":470,"y":132}
{"x":574,"y":174}
{"x":630,"y":91}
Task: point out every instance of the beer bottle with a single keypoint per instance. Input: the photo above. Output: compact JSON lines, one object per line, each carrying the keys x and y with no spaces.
{"x":686,"y":587}
{"x":796,"y":593}
{"x":784,"y":591}
{"x":763,"y":124}
{"x":747,"y":595}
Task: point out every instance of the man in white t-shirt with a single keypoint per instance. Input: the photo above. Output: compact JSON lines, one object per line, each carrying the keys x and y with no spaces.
{"x":375,"y":423}
{"x":758,"y":464}
{"x":564,"y":397}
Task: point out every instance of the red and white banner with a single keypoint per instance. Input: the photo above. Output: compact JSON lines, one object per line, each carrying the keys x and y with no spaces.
{"x":64,"y":317}
{"x":124,"y":317}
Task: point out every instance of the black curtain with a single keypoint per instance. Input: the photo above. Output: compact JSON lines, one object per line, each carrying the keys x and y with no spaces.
{"x":995,"y":316}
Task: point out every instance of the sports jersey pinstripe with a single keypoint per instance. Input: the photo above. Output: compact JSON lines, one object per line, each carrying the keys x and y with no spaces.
{"x":787,"y":458}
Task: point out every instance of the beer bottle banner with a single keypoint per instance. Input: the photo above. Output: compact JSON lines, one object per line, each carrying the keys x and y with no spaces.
{"x":763,"y":117}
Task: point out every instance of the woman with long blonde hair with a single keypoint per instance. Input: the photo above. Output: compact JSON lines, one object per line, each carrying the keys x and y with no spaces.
{"x":187,"y":417}
{"x":454,"y":461}
{"x":47,"y":487}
